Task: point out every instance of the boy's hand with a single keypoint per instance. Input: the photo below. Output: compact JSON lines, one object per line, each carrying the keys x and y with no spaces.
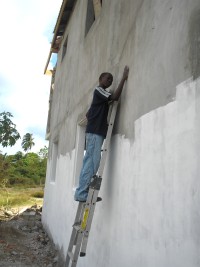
{"x":115,"y":96}
{"x":126,"y":72}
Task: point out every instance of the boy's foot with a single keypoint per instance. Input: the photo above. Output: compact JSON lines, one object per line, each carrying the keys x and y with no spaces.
{"x":98,"y":199}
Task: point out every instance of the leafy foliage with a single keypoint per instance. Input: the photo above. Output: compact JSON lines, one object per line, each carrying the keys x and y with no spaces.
{"x":27,"y":142}
{"x":20,"y":169}
{"x":8,"y":133}
{"x":43,"y":153}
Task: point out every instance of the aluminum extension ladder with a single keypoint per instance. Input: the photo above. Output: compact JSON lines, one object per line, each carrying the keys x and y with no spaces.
{"x":85,"y":211}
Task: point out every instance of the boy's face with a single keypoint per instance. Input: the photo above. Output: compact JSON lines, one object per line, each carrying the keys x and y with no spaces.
{"x":106,"y":81}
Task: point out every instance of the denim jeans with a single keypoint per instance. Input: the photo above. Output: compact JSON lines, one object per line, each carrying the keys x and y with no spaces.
{"x":90,"y":166}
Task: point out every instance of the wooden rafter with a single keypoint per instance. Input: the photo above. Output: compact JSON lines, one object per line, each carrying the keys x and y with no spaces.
{"x":62,"y":20}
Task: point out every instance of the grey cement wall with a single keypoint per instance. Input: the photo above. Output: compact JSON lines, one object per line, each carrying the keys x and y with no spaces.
{"x":157,"y":39}
{"x":151,"y":182}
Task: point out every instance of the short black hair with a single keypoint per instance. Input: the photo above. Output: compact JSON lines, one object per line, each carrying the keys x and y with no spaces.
{"x":103,"y":74}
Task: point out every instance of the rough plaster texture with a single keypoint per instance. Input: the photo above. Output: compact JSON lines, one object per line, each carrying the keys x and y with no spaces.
{"x":159,"y":40}
{"x":150,"y":215}
{"x":150,"y":211}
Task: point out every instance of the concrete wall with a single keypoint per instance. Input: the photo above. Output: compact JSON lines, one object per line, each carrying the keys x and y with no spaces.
{"x":150,"y":210}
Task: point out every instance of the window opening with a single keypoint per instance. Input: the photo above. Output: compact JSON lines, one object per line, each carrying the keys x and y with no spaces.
{"x":64,"y":49}
{"x":93,"y":11}
{"x":79,"y":150}
{"x":97,"y":7}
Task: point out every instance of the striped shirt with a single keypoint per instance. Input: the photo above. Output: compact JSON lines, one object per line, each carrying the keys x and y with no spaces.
{"x":98,"y":112}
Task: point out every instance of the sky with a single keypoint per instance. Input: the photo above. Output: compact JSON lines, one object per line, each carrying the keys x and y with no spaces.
{"x":26,"y":28}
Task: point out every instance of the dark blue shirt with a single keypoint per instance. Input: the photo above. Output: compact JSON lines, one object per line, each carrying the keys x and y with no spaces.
{"x":98,"y":112}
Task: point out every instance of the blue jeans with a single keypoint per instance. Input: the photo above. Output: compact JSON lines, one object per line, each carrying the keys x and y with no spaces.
{"x":90,"y":166}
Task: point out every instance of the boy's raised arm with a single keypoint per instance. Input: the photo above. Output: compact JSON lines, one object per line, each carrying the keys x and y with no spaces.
{"x":115,"y":96}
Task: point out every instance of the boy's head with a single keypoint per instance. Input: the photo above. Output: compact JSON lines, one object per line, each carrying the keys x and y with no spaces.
{"x":105,"y":80}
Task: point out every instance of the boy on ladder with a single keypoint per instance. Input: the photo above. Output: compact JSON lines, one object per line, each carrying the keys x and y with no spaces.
{"x":96,"y":130}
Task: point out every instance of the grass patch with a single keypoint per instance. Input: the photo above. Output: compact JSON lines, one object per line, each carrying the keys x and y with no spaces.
{"x":38,"y":194}
{"x":16,"y":197}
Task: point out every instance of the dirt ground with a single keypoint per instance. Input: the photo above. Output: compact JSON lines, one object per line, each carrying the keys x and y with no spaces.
{"x":23,"y":241}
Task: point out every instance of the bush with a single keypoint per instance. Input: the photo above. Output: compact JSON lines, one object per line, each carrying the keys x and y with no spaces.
{"x":38,"y":194}
{"x":20,"y":181}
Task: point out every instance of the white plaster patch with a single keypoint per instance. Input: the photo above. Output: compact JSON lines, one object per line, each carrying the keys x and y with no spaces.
{"x":150,"y":214}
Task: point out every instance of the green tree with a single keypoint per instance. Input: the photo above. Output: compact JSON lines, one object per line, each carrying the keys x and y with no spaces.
{"x":8,"y":133}
{"x":18,"y":155}
{"x":27,"y":142}
{"x":28,"y":169}
{"x":22,"y":169}
{"x":4,"y":167}
{"x":43,"y":153}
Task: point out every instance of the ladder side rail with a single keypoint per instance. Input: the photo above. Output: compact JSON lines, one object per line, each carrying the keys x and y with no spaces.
{"x":108,"y":137}
{"x":86,"y":210}
{"x":70,"y":248}
{"x":74,"y":232}
{"x":89,"y":222}
{"x":110,"y":110}
{"x":77,"y":249}
{"x":74,"y":235}
{"x":73,"y":256}
{"x":79,"y":212}
{"x":73,"y":241}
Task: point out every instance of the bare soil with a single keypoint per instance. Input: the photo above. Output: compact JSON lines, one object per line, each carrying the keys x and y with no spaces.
{"x":23,"y":241}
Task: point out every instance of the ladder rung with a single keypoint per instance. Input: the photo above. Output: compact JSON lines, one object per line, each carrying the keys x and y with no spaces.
{"x":71,"y":255}
{"x":77,"y":227}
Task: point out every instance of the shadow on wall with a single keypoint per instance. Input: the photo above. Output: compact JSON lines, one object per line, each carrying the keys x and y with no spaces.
{"x":194,"y":39}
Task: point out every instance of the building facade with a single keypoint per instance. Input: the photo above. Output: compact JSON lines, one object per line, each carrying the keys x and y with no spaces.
{"x":150,"y":215}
